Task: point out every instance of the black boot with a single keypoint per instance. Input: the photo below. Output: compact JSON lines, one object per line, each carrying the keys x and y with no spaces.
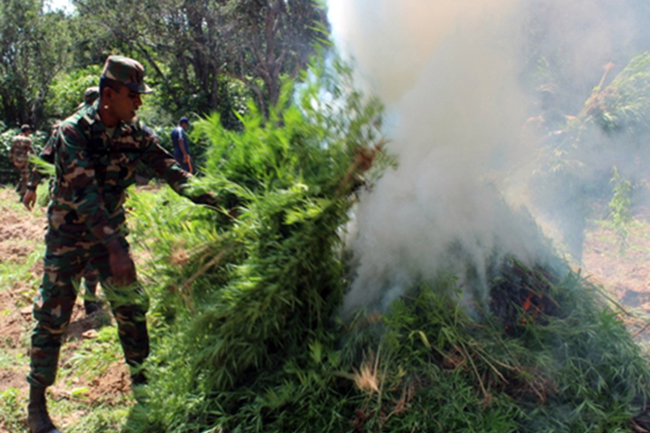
{"x":92,"y":307}
{"x":38,"y":420}
{"x":139,"y":378}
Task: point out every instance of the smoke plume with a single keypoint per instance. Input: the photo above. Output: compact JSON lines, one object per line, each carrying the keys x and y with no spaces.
{"x":455,"y":76}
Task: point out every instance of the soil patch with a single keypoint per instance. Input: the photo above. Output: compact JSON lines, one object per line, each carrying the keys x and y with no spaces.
{"x":14,"y":321}
{"x":626,"y":274}
{"x":14,"y":378}
{"x":19,"y":231}
{"x":111,"y":386}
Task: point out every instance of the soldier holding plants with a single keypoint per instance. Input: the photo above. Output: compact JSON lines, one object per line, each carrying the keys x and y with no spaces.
{"x":97,"y":151}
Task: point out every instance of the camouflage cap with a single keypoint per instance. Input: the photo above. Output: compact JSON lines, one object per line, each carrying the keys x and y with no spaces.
{"x":126,"y":71}
{"x":91,"y":94}
{"x":25,"y":127}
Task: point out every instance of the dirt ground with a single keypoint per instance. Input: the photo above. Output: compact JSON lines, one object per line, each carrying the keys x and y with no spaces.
{"x":21,"y":234}
{"x":625,"y":273}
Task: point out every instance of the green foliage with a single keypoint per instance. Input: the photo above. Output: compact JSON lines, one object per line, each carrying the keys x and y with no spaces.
{"x":258,"y":292}
{"x":210,"y":56}
{"x":620,"y":110}
{"x":95,"y":356}
{"x":247,"y":336}
{"x":620,"y":211}
{"x":104,"y":419}
{"x":11,"y":271}
{"x":153,"y":111}
{"x":98,"y":418}
{"x":34,"y":47}
{"x":576,"y":369}
{"x":611,"y":130}
{"x":625,"y":103}
{"x":8,"y":173}
{"x":67,"y":90}
{"x":11,"y":411}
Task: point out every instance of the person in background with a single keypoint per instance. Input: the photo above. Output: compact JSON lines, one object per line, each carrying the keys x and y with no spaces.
{"x":21,"y":149}
{"x":97,"y":152}
{"x":90,"y":275}
{"x":182,"y":145}
{"x":47,"y":154}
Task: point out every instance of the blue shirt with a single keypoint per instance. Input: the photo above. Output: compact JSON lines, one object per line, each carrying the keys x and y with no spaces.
{"x":177,"y":134}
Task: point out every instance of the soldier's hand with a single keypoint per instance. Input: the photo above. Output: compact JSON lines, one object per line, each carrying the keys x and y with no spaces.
{"x":207,"y":199}
{"x":29,"y":199}
{"x":234,"y":212}
{"x":121,"y":263}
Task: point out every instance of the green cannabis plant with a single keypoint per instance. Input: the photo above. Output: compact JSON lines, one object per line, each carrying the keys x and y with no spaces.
{"x":620,"y":211}
{"x":611,"y":130}
{"x":246,"y":330}
{"x":259,"y":291}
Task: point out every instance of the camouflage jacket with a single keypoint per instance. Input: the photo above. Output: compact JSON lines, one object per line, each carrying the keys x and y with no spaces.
{"x":93,"y":171}
{"x":21,"y":148}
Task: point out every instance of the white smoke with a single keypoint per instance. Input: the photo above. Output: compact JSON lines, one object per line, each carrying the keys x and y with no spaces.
{"x":448,"y":72}
{"x":452,"y":73}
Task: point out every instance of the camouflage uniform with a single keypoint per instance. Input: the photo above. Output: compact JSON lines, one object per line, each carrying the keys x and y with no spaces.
{"x":91,"y":94}
{"x":21,"y":148}
{"x":86,"y":211}
{"x":90,"y":275}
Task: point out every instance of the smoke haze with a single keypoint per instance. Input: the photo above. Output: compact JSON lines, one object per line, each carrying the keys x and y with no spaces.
{"x":454,"y":75}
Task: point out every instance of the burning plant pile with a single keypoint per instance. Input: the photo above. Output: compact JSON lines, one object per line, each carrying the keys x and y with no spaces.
{"x":350,"y":282}
{"x":247,"y":303}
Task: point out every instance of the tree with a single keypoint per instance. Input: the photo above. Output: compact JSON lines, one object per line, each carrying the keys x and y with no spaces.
{"x":196,"y":48}
{"x":272,"y":38}
{"x":34,"y":47}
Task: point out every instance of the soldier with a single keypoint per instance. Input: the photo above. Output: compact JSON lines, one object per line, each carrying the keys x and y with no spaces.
{"x":90,"y":275}
{"x":98,"y":149}
{"x":21,"y":148}
{"x":47,"y":154}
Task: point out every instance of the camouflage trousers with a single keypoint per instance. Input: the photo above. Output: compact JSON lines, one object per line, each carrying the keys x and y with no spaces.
{"x":23,"y":180}
{"x":65,"y":260}
{"x":91,"y":278}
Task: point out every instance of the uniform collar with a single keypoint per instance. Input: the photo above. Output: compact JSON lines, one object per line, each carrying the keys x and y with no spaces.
{"x":91,"y":115}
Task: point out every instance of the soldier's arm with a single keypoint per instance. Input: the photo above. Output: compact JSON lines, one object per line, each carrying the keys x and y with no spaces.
{"x":164,"y":164}
{"x":77,"y":176}
{"x":182,"y":144}
{"x":35,"y":177}
{"x":12,"y":151}
{"x":47,"y":155}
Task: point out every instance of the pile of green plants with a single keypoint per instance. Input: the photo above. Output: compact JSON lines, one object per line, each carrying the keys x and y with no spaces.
{"x":246,"y":297}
